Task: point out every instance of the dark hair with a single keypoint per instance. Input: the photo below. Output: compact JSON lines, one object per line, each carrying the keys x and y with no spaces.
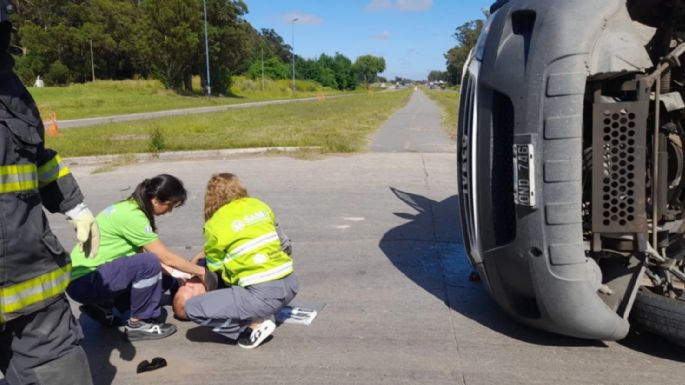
{"x":164,"y":187}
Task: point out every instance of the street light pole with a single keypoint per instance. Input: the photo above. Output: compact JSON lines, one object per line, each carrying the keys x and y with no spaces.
{"x":293,"y":55}
{"x":209,"y":80}
{"x":262,"y":66}
{"x":92,"y":60}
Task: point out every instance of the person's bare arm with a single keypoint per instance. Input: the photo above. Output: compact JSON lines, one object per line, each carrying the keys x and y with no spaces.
{"x":198,"y":257}
{"x":167,"y":257}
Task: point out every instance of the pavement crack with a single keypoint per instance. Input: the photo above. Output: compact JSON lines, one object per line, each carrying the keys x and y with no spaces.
{"x":450,"y":307}
{"x":425,"y":172}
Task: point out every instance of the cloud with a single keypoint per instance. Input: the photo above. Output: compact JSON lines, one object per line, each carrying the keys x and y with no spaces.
{"x":302,"y":18}
{"x":400,"y":5}
{"x":385,"y":35}
{"x":377,"y":5}
{"x":414,"y":5}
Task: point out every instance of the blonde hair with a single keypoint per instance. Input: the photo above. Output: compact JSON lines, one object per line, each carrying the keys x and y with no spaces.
{"x":222,"y":189}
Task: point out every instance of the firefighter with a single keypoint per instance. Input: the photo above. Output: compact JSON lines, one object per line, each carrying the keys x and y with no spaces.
{"x":39,"y":336}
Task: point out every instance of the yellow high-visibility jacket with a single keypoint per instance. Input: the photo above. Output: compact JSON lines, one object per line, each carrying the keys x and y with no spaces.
{"x":243,"y":245}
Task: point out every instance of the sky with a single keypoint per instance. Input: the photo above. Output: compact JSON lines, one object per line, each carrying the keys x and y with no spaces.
{"x":412,"y":35}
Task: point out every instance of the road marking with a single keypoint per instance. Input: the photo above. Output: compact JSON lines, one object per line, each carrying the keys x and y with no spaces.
{"x":354,"y":219}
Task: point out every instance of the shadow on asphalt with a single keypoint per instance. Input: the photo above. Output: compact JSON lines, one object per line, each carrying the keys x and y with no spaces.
{"x":653,"y":345}
{"x":99,"y":344}
{"x":428,"y":249}
{"x":205,"y":334}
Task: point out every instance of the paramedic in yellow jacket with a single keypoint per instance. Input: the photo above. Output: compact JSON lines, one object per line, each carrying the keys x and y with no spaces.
{"x":243,"y":247}
{"x":39,"y":337}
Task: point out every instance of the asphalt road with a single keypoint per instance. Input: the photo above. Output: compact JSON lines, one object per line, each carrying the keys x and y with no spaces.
{"x":377,"y":242}
{"x":378,"y":249}
{"x":415,"y":128}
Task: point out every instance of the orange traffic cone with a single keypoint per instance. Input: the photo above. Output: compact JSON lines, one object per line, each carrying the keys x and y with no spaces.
{"x":52,"y":129}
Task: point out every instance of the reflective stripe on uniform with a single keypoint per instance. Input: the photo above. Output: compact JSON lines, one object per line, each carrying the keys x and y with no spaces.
{"x":147,"y":282}
{"x":266,"y":276}
{"x":51,"y":171}
{"x":16,"y":297}
{"x":214,"y":264}
{"x":18,"y":177}
{"x":246,"y":248}
{"x":252,"y":245}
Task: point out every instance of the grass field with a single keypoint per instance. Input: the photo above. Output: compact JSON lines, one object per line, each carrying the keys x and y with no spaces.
{"x":106,"y":98}
{"x":334,"y":124}
{"x":449,"y":103}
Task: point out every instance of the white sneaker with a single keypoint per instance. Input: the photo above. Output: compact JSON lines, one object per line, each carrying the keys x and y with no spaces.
{"x":251,"y":338}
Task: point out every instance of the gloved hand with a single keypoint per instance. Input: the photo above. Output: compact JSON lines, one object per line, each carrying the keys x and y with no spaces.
{"x":87,"y":232}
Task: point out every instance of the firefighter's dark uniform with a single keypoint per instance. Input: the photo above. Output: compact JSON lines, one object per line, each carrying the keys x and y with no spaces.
{"x":39,"y":336}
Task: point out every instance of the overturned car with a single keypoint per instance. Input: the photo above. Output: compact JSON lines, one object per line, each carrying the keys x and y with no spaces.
{"x":571,"y":164}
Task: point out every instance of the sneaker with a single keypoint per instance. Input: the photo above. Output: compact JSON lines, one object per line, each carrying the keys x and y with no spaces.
{"x":148,"y":330}
{"x":251,"y":338}
{"x":102,"y":314}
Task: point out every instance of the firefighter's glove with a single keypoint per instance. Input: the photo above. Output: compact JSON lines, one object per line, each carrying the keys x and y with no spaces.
{"x":211,"y":280}
{"x":87,"y":232}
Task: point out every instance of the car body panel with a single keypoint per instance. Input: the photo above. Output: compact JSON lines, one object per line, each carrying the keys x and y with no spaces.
{"x":529,"y":89}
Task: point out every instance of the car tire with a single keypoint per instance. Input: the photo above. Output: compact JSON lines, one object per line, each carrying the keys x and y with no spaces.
{"x":659,"y":315}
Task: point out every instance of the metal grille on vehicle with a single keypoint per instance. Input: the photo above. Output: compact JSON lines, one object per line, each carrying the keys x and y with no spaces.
{"x":619,"y":168}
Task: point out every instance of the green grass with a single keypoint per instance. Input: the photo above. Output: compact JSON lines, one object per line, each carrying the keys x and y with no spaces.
{"x":106,"y":98}
{"x":448,"y":100}
{"x":334,"y":124}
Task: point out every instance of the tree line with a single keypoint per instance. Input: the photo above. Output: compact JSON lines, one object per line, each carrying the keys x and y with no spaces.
{"x":455,"y":58}
{"x":67,"y":41}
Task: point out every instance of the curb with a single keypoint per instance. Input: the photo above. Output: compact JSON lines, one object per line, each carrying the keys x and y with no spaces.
{"x":178,"y":155}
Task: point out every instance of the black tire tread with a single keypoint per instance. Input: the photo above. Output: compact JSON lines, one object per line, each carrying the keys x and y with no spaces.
{"x":660,"y":315}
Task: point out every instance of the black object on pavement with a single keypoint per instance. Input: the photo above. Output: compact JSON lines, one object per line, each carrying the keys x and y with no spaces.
{"x":146,"y":366}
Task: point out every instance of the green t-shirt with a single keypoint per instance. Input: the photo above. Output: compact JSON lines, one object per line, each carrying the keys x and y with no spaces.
{"x":124,"y":229}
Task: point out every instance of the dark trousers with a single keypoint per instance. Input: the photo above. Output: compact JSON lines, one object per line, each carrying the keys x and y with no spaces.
{"x":44,"y":348}
{"x":137,"y":278}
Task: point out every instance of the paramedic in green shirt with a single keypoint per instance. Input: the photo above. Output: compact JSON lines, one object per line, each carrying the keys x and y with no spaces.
{"x":127,"y":270}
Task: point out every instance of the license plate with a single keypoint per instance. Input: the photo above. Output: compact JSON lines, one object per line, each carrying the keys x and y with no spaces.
{"x":524,"y":175}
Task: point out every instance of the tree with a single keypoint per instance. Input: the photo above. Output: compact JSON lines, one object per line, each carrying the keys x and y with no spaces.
{"x":368,"y":67}
{"x":274,"y":45}
{"x":170,"y":39}
{"x":273,"y":69}
{"x":62,"y":31}
{"x":466,"y":36}
{"x":344,"y":74}
{"x":113,"y":34}
{"x":435,"y":76}
{"x":229,"y":36}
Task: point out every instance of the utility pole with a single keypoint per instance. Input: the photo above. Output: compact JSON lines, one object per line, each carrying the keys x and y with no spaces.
{"x":92,"y":61}
{"x":262,"y":66}
{"x":293,"y":55}
{"x":209,"y":80}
